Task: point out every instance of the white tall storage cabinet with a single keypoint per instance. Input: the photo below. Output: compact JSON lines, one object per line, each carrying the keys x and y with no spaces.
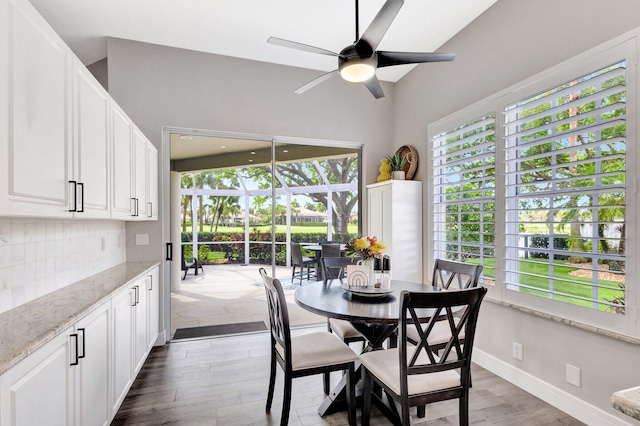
{"x":395,"y":216}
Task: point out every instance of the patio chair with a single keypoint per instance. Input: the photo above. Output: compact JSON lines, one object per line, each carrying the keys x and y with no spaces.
{"x":303,"y":355}
{"x":194,"y":263}
{"x":298,"y":260}
{"x":412,"y":375}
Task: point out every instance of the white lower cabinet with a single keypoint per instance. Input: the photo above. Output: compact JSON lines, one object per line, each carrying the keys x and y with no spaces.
{"x":92,"y":373}
{"x":153,"y":307}
{"x":123,"y":332}
{"x":140,"y":325}
{"x":82,"y":376}
{"x":40,"y":389}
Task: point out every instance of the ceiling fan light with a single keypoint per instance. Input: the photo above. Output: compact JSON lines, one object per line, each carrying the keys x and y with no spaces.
{"x":357,"y":70}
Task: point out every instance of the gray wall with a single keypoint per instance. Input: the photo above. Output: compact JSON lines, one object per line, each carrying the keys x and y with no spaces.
{"x":160,"y":86}
{"x":500,"y":48}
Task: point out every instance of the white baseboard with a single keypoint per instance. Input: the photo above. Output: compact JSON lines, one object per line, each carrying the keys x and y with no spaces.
{"x":558,"y":398}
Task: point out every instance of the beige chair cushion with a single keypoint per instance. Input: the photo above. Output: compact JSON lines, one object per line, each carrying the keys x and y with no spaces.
{"x":343,"y":329}
{"x":316,"y":350}
{"x":385,"y":365}
{"x":441,"y":333}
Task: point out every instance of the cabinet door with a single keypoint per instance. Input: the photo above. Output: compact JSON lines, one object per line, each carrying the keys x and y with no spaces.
{"x":123,"y":349}
{"x":35,"y":144}
{"x":153,"y":307}
{"x":122,"y":206}
{"x":152,"y":182}
{"x":141,"y":345}
{"x":39,"y":390}
{"x":92,"y":401}
{"x":140,"y":174}
{"x":91,"y":144}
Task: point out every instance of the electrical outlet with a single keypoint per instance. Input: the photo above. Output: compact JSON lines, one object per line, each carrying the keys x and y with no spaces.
{"x":518,"y":351}
{"x":142,"y":239}
{"x":573,"y":375}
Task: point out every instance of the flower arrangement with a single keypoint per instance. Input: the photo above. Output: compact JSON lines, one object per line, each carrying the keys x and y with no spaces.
{"x":365,"y":247}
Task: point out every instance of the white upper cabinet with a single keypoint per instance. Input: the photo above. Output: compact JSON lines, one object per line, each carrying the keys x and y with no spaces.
{"x":140,"y":143}
{"x":135,"y":171}
{"x":91,"y":144}
{"x":152,"y":182}
{"x":35,"y":118}
{"x":66,"y":149}
{"x":123,"y":205}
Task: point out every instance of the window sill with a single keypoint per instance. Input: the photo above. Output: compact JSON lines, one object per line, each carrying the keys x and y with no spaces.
{"x":565,"y":321}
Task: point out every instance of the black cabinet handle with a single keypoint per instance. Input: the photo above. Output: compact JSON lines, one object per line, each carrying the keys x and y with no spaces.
{"x":81,"y":185}
{"x":169,"y":252}
{"x":133,"y":289}
{"x":150,"y":282}
{"x":83,"y":346}
{"x":74,"y":185}
{"x":150,"y":210}
{"x":76,"y":353}
{"x":137,"y":208}
{"x":137,"y":294}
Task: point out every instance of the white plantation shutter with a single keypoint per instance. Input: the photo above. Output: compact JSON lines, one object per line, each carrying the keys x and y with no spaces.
{"x":464,"y":194}
{"x":565,"y":173}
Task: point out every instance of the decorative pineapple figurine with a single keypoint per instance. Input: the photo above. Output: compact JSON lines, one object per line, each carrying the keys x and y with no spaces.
{"x":385,"y":170}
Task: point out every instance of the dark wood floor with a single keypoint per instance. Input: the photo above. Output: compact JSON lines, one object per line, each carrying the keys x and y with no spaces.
{"x":223,"y":381}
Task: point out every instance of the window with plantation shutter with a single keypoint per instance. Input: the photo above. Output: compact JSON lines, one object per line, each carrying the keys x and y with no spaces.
{"x":565,"y":200}
{"x":464,"y":182}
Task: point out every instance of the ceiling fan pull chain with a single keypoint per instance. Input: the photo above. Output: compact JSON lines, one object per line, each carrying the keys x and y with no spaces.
{"x":357,"y":24}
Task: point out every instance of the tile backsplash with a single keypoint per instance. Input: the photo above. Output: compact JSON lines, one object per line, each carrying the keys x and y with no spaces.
{"x":39,"y":256}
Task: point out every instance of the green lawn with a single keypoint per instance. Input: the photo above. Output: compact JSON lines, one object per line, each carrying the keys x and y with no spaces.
{"x":559,"y":272}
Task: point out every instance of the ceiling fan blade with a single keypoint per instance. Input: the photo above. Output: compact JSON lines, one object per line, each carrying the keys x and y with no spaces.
{"x":300,"y":46}
{"x":315,"y":82}
{"x":386,"y":59}
{"x":379,"y":26}
{"x":373,"y":84}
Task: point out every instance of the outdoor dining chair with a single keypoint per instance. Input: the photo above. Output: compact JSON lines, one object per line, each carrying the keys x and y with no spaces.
{"x":302,"y":262}
{"x":413,"y":375}
{"x":303,"y":355}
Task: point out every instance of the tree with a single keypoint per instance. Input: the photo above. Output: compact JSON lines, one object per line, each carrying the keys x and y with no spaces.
{"x":186,"y":182}
{"x":304,"y":173}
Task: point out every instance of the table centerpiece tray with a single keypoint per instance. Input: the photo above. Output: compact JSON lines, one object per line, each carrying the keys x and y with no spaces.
{"x":369,"y":291}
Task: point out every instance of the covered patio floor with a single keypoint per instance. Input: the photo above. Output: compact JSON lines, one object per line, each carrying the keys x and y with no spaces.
{"x":228,"y":294}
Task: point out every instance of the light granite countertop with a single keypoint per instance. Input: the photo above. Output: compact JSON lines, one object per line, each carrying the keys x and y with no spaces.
{"x":25,"y":329}
{"x":627,"y":401}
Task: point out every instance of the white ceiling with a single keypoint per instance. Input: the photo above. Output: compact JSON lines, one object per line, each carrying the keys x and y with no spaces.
{"x":240,"y":28}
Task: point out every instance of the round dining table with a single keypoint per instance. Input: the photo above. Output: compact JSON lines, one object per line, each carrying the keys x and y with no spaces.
{"x":375,"y":317}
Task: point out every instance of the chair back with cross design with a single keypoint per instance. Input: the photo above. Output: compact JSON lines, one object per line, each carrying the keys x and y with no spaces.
{"x":447,"y":273}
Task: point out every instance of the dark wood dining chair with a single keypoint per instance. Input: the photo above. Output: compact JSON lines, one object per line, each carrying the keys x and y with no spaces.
{"x":413,"y":375}
{"x":303,"y":355}
{"x":302,"y":262}
{"x":334,"y":268}
{"x":448,"y":275}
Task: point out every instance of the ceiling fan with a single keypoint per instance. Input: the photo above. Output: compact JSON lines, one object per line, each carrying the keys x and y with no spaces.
{"x":358,"y":62}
